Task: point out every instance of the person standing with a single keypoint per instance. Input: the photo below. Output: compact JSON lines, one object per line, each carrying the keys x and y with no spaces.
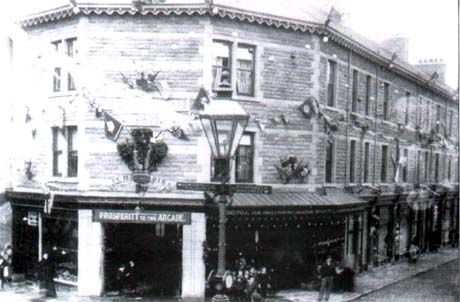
{"x":46,"y":274}
{"x":327,"y":273}
{"x":7,"y":255}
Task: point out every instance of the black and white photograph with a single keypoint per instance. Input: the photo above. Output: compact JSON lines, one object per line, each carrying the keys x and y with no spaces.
{"x":229,"y":151}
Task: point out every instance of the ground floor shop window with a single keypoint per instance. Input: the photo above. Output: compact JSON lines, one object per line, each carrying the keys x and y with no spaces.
{"x":288,"y":247}
{"x":60,"y":241}
{"x":25,"y":240}
{"x":143,"y":259}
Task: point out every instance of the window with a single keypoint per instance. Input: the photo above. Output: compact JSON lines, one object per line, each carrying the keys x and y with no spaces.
{"x":427,"y":165}
{"x":245,"y":70}
{"x":244,"y":159}
{"x":436,"y":167}
{"x":449,"y":168}
{"x":383,"y":170}
{"x":366,"y":162}
{"x":57,"y":79}
{"x":354,"y":92}
{"x":428,"y":118}
{"x":368,"y":95}
{"x":244,"y":162}
{"x":405,"y":166}
{"x":222,"y":69}
{"x":352,"y":161}
{"x":386,"y":100}
{"x":331,"y":80}
{"x":59,"y":72}
{"x":449,"y":123}
{"x":329,"y":164}
{"x":438,"y":118}
{"x":65,"y":154}
{"x":407,"y":117}
{"x":418,"y":161}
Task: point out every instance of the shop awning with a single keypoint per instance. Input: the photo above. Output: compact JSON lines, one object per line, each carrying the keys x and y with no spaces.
{"x":294,"y":199}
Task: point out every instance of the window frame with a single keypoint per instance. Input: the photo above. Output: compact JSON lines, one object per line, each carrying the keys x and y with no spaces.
{"x":386,"y":101}
{"x":66,"y":154}
{"x":252,"y":70}
{"x":407,"y":113}
{"x":384,"y":163}
{"x":355,"y":91}
{"x":331,"y":100}
{"x":352,"y":162}
{"x":329,"y":143}
{"x":367,"y":108}
{"x":251,"y":146}
{"x":405,"y":168}
{"x":366,"y":166}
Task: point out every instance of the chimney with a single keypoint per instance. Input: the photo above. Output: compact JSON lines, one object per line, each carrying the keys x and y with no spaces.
{"x":431,"y":65}
{"x":398,"y":45}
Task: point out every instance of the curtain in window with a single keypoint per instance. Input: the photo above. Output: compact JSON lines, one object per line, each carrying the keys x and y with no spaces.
{"x":244,"y":84}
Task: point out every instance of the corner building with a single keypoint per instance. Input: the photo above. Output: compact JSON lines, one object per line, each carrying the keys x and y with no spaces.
{"x":330,"y":114}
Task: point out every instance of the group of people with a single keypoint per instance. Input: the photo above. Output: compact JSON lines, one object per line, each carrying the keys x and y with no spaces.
{"x":6,"y":258}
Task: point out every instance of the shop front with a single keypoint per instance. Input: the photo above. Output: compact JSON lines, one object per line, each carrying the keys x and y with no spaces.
{"x":112,"y":246}
{"x":288,"y":234}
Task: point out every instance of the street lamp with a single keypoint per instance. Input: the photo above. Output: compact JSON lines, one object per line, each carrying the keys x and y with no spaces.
{"x":223,"y":123}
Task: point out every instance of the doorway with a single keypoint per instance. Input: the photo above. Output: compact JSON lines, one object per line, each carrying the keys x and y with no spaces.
{"x":155,"y":250}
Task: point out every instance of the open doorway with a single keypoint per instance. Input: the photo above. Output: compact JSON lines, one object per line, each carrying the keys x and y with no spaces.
{"x":155,"y":253}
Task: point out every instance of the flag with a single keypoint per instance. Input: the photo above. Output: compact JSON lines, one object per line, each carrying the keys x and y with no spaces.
{"x":112,"y":127}
{"x":164,"y":89}
{"x":201,"y":99}
{"x":333,"y":16}
{"x":178,"y":132}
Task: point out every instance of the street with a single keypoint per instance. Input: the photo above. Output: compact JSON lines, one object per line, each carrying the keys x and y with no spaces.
{"x":439,"y":284}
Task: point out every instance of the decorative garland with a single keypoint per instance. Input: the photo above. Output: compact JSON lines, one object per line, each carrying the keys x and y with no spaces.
{"x":292,"y":168}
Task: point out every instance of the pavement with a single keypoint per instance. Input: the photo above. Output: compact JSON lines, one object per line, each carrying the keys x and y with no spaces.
{"x":365,"y":283}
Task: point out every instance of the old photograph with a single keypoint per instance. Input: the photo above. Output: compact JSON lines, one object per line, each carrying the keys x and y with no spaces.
{"x":229,"y":151}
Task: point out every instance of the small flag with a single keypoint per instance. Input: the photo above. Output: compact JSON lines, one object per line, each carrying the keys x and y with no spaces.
{"x":112,"y":127}
{"x":201,"y":99}
{"x":178,"y":132}
{"x":164,"y":89}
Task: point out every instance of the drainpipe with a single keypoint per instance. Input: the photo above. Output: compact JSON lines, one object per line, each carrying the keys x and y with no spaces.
{"x":347,"y":120}
{"x":375,"y":119}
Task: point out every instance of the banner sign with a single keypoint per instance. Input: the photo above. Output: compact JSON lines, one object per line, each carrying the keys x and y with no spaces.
{"x":132,"y":216}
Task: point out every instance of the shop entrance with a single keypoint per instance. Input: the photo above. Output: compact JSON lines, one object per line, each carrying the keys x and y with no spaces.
{"x":154,"y":249}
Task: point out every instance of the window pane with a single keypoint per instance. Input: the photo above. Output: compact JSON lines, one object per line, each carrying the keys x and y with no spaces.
{"x":352,"y":161}
{"x":407,"y":107}
{"x":368,"y":94}
{"x":386,"y":100}
{"x":57,"y":152}
{"x":244,"y":160}
{"x":366,"y":162}
{"x":406,"y":164}
{"x":57,"y":79}
{"x":383,"y":171}
{"x":221,"y":70}
{"x":70,"y":82}
{"x":72,"y":160}
{"x":245,"y":70}
{"x":329,"y":161}
{"x":331,"y":80}
{"x":354,"y":99}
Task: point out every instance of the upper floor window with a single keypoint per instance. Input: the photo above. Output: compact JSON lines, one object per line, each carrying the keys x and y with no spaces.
{"x":386,"y":101}
{"x":449,"y":123}
{"x":367,"y":147}
{"x":244,"y":162}
{"x":438,"y":118}
{"x":418,"y":165}
{"x":427,"y":165}
{"x":407,"y":111}
{"x":69,"y":48}
{"x":244,"y":159}
{"x":449,"y":168}
{"x":352,"y":161}
{"x":436,"y":167}
{"x":354,"y":92}
{"x":331,"y":82}
{"x":65,"y":152}
{"x":368,"y":95}
{"x":329,"y":161}
{"x":384,"y":162}
{"x":405,"y":166}
{"x":223,"y":60}
{"x":245,"y":70}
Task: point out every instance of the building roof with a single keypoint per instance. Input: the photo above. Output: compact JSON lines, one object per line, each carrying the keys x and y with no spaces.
{"x":296,"y":199}
{"x":309,"y":17}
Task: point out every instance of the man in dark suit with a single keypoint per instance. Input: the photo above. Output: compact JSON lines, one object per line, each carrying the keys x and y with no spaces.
{"x":327,"y":273}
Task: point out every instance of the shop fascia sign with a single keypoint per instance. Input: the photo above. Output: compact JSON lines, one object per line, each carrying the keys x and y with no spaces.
{"x":134,"y":216}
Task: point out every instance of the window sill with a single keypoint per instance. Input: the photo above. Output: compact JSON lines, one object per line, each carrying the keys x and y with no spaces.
{"x":63,"y":93}
{"x":64,"y":179}
{"x":389,"y":123}
{"x":245,"y":98}
{"x":334,"y":109}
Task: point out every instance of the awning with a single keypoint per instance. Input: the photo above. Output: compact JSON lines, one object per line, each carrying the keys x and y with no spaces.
{"x":294,"y":199}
